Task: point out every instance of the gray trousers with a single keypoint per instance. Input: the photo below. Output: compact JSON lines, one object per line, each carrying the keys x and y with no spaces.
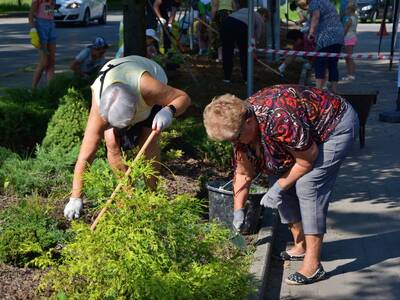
{"x":308,"y":200}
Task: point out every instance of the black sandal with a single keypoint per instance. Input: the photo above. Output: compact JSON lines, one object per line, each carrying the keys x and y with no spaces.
{"x":286,"y":256}
{"x":299,"y":279}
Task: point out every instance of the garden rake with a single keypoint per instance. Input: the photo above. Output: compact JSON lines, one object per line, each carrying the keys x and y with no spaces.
{"x":116,"y":190}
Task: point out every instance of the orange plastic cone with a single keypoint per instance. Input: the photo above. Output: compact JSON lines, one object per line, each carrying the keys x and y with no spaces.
{"x":382,"y":30}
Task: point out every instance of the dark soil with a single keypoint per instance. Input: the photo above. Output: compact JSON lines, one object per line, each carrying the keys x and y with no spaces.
{"x":18,"y":283}
{"x":201,"y":78}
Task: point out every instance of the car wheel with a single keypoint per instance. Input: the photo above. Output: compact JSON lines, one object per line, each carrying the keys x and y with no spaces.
{"x":103,"y":19}
{"x":86,"y":18}
{"x":374,"y":16}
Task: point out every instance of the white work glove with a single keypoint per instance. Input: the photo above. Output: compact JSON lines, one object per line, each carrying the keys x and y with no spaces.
{"x":73,"y":208}
{"x":272,"y":196}
{"x":238,"y":218}
{"x":162,"y":119}
{"x":163,"y":21}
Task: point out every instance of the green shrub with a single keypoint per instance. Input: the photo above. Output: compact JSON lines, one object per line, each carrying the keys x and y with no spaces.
{"x":50,"y":172}
{"x":24,"y":113}
{"x":150,"y":247}
{"x":29,"y":234}
{"x":66,"y":127}
{"x":100,"y":182}
{"x":22,"y":124}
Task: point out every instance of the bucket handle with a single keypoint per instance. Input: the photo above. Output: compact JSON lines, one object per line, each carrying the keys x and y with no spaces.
{"x":230,"y":181}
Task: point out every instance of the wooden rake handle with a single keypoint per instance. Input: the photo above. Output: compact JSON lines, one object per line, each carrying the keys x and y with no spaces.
{"x":116,"y":190}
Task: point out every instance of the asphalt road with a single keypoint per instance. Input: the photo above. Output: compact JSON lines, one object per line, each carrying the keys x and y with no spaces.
{"x":18,"y":58}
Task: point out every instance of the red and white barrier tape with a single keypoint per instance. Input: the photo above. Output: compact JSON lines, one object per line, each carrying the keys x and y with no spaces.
{"x":367,"y":56}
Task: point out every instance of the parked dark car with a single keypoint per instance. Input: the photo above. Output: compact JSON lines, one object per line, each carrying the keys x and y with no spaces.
{"x":371,"y":10}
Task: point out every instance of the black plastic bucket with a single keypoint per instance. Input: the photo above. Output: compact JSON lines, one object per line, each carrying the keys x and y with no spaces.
{"x":221,"y":205}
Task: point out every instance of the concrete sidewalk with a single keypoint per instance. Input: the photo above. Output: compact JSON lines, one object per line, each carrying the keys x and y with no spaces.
{"x":361,"y":250}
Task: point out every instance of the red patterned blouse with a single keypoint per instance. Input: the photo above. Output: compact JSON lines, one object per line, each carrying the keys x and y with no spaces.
{"x":290,"y":117}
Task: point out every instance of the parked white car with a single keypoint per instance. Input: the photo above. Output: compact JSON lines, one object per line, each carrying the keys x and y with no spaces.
{"x":80,"y":11}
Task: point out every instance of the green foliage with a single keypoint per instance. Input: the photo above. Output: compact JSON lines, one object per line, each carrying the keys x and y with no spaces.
{"x":150,"y":247}
{"x":29,"y":234}
{"x":66,"y":127}
{"x":189,"y":136}
{"x":23,"y":121}
{"x":13,"y":5}
{"x":50,"y":172}
{"x":24,"y":113}
{"x":99,"y":182}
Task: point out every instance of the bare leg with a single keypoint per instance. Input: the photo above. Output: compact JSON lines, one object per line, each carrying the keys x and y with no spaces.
{"x":51,"y":61}
{"x":42,"y":65}
{"x":312,"y":258}
{"x":334,"y":86}
{"x":319,"y":83}
{"x":114,"y":154}
{"x":298,"y":237}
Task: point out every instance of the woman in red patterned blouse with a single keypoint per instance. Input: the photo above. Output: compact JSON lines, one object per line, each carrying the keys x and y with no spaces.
{"x":298,"y":135}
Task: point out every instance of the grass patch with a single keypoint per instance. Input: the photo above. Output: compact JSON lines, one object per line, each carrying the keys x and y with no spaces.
{"x":13,"y":5}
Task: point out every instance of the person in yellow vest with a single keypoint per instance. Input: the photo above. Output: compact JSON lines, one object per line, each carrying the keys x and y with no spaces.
{"x":130,"y":98}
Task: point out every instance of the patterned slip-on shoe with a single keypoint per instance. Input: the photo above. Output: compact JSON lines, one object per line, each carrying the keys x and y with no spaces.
{"x":287,"y":256}
{"x":299,"y":279}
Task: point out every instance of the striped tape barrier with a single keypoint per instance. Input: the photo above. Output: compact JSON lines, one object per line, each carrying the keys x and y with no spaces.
{"x":361,"y":56}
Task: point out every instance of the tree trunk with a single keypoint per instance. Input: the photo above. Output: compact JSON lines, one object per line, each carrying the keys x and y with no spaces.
{"x":19,"y":3}
{"x":134,"y":27}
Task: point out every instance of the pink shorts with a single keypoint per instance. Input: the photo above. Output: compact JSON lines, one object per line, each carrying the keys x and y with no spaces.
{"x":350,"y":42}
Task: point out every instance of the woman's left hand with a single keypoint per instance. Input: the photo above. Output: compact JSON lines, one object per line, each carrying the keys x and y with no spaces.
{"x":162,"y":119}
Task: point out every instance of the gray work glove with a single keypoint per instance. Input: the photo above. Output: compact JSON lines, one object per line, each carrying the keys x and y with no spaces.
{"x":271,"y":197}
{"x":73,"y":208}
{"x":162,"y":119}
{"x":238,"y":218}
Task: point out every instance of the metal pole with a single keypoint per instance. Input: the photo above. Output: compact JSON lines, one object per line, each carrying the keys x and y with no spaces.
{"x":250,"y":61}
{"x":394,"y":32}
{"x":383,"y":24}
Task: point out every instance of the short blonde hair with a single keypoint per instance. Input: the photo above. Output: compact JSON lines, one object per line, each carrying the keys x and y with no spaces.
{"x":224,"y":116}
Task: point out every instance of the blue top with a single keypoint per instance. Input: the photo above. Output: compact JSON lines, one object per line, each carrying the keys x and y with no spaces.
{"x":87,"y":63}
{"x":330,"y":30}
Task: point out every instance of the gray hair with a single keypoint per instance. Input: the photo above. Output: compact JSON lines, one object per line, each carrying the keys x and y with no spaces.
{"x":118,"y":104}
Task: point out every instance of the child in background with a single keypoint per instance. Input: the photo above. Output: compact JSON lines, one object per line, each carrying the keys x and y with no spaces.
{"x":300,"y":43}
{"x":90,"y":60}
{"x":152,"y":44}
{"x":350,"y":39}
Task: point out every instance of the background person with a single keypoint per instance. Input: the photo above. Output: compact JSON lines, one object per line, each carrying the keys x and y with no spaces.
{"x":165,"y":11}
{"x":41,"y":17}
{"x":203,"y":33}
{"x":234,"y":33}
{"x":328,"y":33}
{"x":220,"y":9}
{"x":350,"y":39}
{"x":300,"y":43}
{"x":276,"y":132}
{"x":152,"y":45}
{"x":130,"y":98}
{"x":90,"y":60}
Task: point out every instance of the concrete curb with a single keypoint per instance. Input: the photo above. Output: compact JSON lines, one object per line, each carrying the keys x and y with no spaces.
{"x":262,"y":256}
